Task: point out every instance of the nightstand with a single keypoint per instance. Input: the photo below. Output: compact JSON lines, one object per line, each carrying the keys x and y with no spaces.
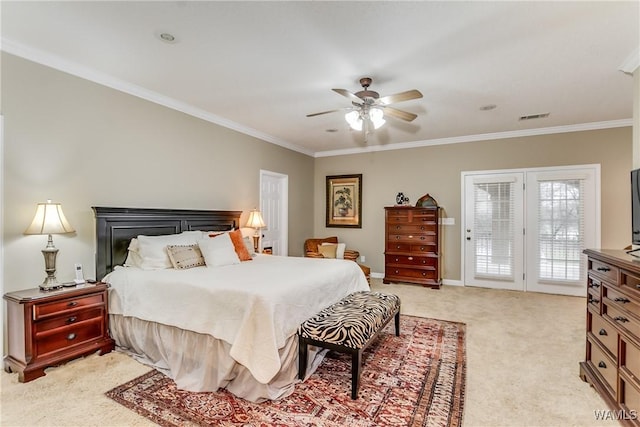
{"x":47,"y":328}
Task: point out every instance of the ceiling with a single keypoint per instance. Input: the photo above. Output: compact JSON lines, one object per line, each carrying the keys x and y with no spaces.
{"x":261,"y":67}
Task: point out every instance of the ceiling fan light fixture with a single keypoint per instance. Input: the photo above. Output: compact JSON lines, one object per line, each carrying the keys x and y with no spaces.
{"x":354,"y":120}
{"x":376,"y":115}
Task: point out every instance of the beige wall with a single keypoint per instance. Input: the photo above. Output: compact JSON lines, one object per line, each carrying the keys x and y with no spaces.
{"x":82,"y":144}
{"x":436,"y":170}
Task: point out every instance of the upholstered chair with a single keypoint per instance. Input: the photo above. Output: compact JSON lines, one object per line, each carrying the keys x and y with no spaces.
{"x":311,"y":248}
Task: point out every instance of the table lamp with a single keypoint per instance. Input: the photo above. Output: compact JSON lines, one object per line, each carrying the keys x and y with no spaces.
{"x":49,"y":219}
{"x":255,"y":221}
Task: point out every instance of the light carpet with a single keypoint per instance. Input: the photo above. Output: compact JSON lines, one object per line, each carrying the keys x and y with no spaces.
{"x":416,"y":379}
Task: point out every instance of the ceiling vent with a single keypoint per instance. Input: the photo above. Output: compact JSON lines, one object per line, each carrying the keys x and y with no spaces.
{"x":534,"y":116}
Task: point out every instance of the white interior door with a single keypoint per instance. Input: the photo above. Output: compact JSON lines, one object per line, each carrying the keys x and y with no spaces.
{"x":493,"y":228}
{"x":561,"y":223}
{"x":274,"y":205}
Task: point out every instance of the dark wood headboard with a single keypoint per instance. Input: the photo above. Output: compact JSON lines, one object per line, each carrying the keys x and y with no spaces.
{"x":115,"y":227}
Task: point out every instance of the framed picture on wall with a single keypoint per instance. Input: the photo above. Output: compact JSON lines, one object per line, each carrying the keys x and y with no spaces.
{"x":344,"y":201}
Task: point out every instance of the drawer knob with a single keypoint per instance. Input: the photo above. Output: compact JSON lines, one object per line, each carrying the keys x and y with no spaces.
{"x":398,"y":247}
{"x":422,"y":248}
{"x":621,"y":319}
{"x":410,"y":258}
{"x":602,"y":364}
{"x":424,"y":274}
{"x":397,"y":259}
{"x":72,"y":319}
{"x":622,"y":300}
{"x":422,"y":238}
{"x":72,"y":303}
{"x":423,"y":228}
{"x":71,"y":336}
{"x":603,"y":269}
{"x":397,"y":271}
{"x":603,"y":332}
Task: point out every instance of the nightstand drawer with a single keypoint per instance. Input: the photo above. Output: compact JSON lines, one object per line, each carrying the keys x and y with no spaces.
{"x":69,"y":319}
{"x":55,"y":308}
{"x":63,"y":338}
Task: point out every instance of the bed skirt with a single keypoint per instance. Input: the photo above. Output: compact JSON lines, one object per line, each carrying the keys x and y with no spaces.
{"x":200,"y":362}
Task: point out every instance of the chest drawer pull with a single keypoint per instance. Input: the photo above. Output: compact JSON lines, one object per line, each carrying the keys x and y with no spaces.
{"x":603,"y":332}
{"x":410,"y":258}
{"x":72,"y":319}
{"x":602,"y":364}
{"x":71,"y":336}
{"x":603,"y":269}
{"x":621,"y":319}
{"x":72,"y":303}
{"x":622,"y":300}
{"x":594,"y":285}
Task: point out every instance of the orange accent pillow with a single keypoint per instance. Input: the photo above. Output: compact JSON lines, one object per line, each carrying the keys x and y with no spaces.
{"x":238,"y":245}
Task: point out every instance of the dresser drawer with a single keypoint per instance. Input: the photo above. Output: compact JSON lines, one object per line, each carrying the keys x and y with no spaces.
{"x":621,"y":318}
{"x":412,"y":273}
{"x":410,"y":228}
{"x":606,"y":333}
{"x":605,"y":366}
{"x":59,"y":307}
{"x":606,"y":271}
{"x":630,"y":358}
{"x":409,"y":260}
{"x":415,"y":216}
{"x":630,"y":397}
{"x":624,"y":302}
{"x":593,"y":299}
{"x":69,"y":318}
{"x":71,"y":335}
{"x":630,"y":283}
{"x":427,"y":238}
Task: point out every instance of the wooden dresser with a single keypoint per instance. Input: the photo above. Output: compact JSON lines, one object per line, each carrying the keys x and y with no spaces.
{"x":412,"y":245}
{"x":612,"y":363}
{"x":46,"y":328}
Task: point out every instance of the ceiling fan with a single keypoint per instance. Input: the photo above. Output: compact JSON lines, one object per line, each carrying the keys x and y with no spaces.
{"x":369,"y":109}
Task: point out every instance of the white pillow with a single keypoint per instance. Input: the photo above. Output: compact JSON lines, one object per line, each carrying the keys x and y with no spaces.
{"x":218,"y":251}
{"x":153,"y":249}
{"x":248,"y":242}
{"x":339,"y":249}
{"x":133,"y":258}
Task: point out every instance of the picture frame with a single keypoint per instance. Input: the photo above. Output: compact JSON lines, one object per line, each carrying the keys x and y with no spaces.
{"x":344,"y":201}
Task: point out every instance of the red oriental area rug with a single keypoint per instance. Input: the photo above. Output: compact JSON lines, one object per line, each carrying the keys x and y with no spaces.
{"x":416,"y":379}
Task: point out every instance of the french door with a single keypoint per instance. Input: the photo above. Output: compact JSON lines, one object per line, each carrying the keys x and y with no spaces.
{"x":526,"y":229}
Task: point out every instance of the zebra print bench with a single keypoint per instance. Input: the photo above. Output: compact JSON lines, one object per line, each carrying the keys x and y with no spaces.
{"x":348,"y":326}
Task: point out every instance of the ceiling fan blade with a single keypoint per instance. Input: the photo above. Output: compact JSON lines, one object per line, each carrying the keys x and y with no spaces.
{"x":399,"y":97}
{"x":324,"y":112}
{"x":399,"y":114}
{"x":353,"y":97}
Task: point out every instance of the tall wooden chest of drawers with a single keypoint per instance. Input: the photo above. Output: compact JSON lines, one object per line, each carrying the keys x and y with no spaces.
{"x":412,"y":245}
{"x":47,"y":328}
{"x":612,"y":362}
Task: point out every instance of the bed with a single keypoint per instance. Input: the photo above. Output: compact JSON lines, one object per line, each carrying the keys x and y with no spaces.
{"x":230,"y":326}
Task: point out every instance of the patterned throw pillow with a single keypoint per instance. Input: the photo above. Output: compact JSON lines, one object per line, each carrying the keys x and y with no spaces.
{"x":185,"y":256}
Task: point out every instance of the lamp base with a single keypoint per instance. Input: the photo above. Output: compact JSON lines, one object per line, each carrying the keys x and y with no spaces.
{"x":256,"y":243}
{"x":50,"y":283}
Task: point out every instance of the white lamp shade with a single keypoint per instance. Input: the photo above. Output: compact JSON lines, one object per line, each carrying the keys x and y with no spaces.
{"x":49,"y":219}
{"x":255,"y":220}
{"x":354,"y":120}
{"x":376,"y":116}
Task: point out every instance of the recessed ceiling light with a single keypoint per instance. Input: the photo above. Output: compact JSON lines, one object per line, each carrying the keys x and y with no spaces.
{"x":167,"y":37}
{"x":488,"y":107}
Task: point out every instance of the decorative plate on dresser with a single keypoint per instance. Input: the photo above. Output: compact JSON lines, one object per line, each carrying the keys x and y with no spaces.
{"x":612,"y":361}
{"x":412,"y":245}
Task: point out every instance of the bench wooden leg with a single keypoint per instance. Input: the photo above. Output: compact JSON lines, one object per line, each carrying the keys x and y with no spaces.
{"x":302,"y":358}
{"x":356,"y":361}
{"x":397,"y":320}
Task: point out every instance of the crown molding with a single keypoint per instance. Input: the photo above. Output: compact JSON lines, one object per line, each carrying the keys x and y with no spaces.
{"x":96,"y":76}
{"x":481,"y":137}
{"x":631,"y":64}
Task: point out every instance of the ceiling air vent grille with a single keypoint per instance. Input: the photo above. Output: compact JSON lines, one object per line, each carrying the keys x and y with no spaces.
{"x":534,"y":116}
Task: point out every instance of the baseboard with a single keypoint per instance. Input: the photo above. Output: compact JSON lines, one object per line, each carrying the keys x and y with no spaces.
{"x":448,"y":282}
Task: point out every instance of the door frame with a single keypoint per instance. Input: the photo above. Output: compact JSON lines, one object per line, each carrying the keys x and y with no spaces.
{"x":283,"y":206}
{"x":567,"y":168}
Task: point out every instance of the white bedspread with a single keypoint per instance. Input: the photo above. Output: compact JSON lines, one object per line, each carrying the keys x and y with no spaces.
{"x":254,"y":306}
